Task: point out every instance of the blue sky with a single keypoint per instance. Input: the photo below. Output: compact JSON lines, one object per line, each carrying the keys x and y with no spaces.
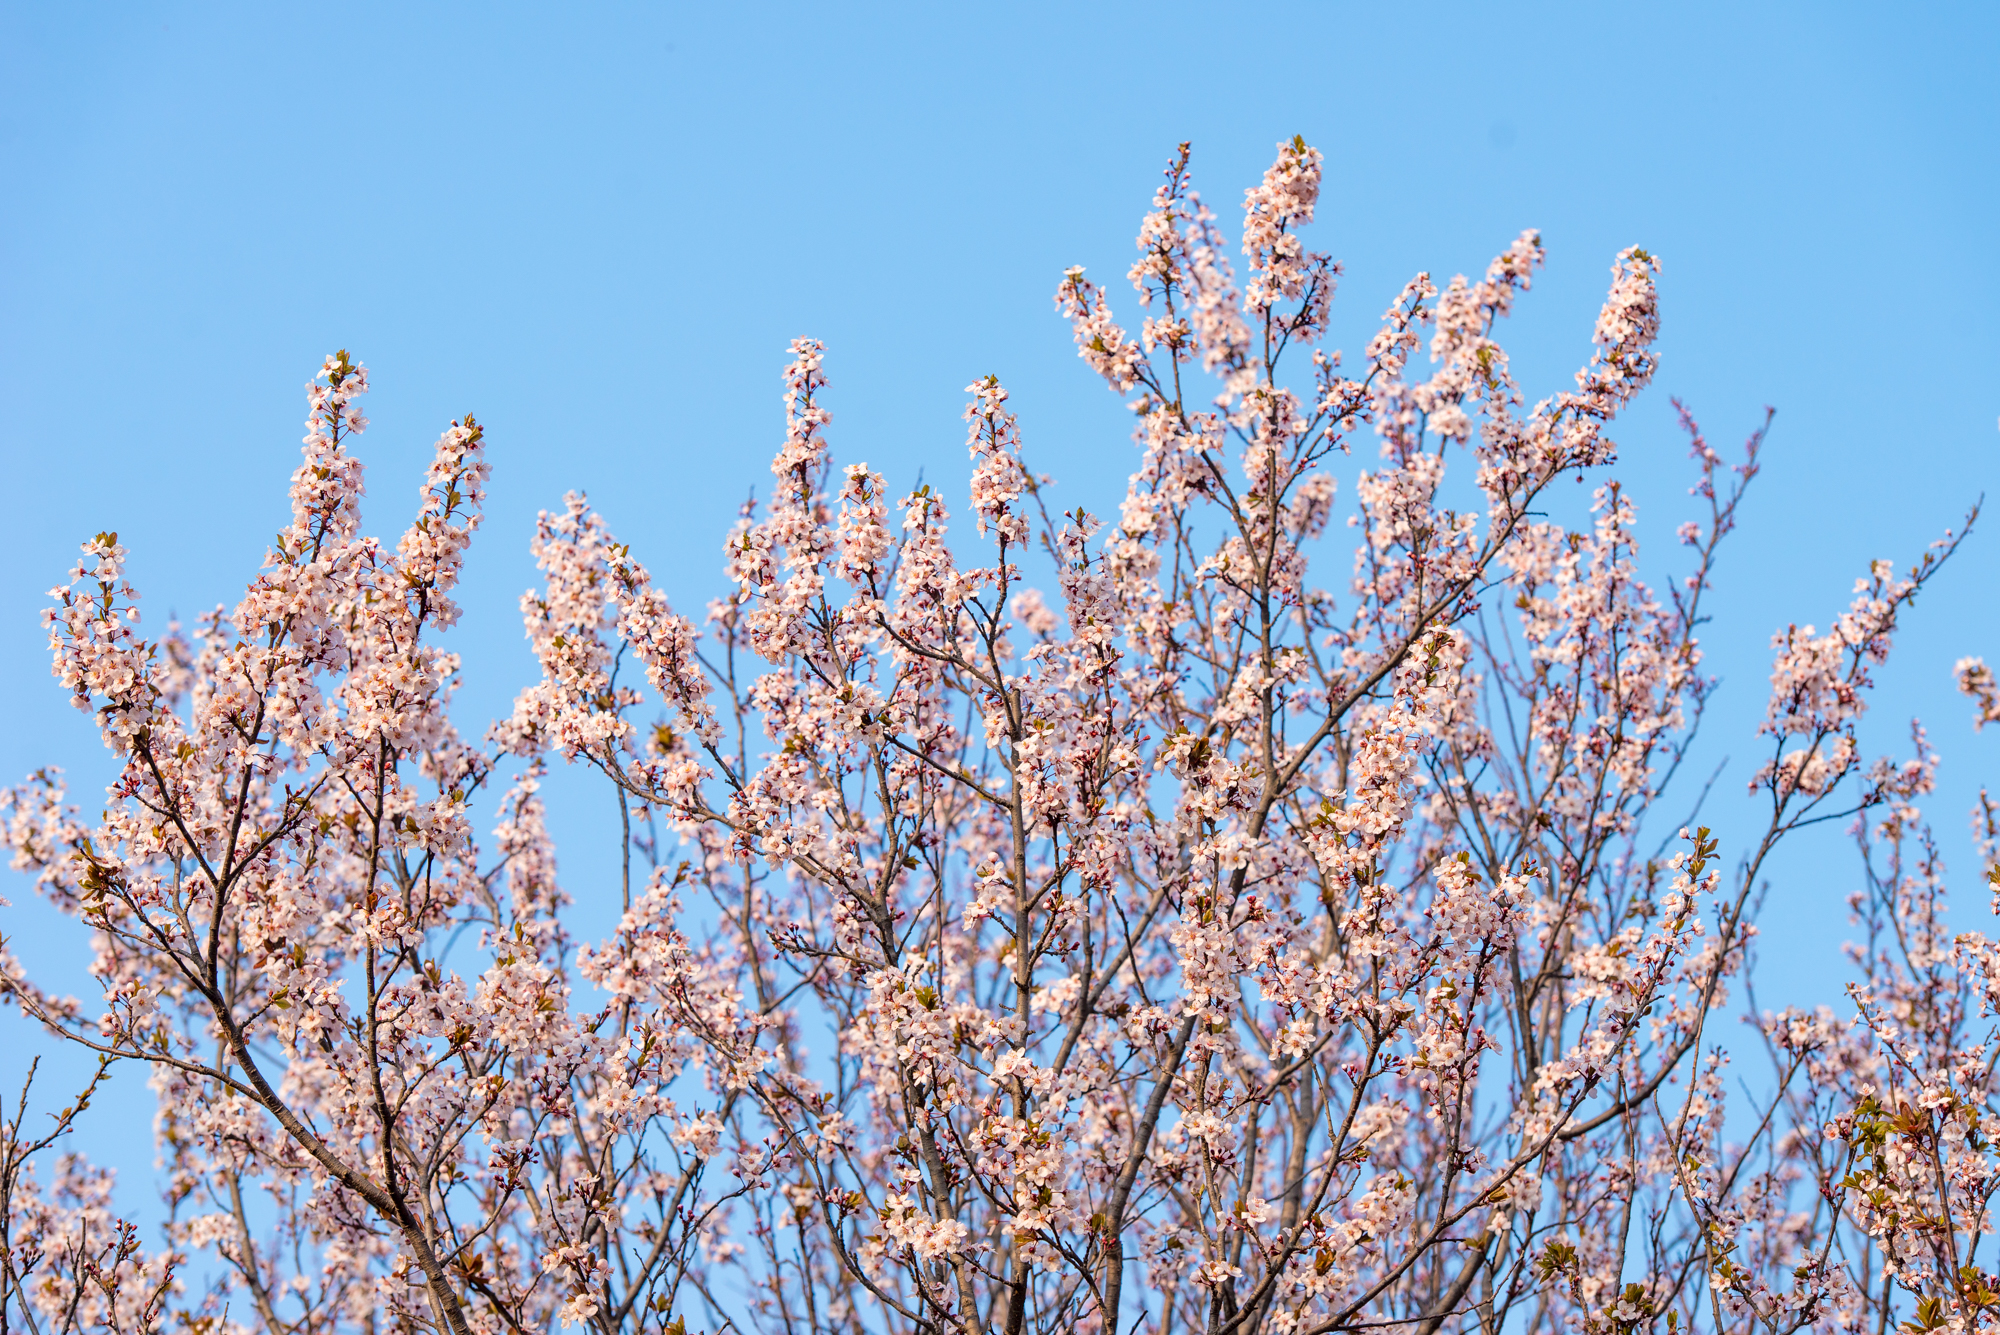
{"x":598,"y":226}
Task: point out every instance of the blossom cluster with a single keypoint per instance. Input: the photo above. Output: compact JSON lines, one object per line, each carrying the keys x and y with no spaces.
{"x":1190,"y":942}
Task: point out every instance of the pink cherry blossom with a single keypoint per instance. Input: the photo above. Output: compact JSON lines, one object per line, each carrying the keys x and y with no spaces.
{"x":1064,"y":921}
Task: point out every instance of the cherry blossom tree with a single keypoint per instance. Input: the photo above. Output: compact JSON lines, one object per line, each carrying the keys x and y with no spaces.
{"x":1196,"y":947}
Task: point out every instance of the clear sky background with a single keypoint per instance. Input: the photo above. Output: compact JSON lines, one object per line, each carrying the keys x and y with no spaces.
{"x":597,"y":227}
